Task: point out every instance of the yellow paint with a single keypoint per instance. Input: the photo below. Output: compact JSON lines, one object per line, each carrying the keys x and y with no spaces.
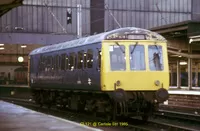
{"x":133,"y":80}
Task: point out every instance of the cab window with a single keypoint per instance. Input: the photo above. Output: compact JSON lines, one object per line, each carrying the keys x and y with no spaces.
{"x":137,"y":57}
{"x":117,"y":58}
{"x":155,"y":58}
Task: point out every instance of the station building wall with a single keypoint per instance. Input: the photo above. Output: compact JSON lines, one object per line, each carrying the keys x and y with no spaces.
{"x":35,"y":17}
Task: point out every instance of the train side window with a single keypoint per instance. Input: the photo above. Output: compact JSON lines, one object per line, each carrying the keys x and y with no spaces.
{"x":75,"y":61}
{"x":41,"y":63}
{"x":48,"y":63}
{"x":51,"y":62}
{"x":85,"y":59}
{"x":89,"y":58}
{"x":63,"y":61}
{"x":99,"y":59}
{"x":54,"y":63}
{"x":45,"y":63}
{"x":66,"y":62}
{"x":57,"y":62}
{"x":71,"y":61}
{"x":80,"y":60}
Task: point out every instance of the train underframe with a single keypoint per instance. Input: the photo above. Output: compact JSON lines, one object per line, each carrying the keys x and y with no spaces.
{"x":111,"y":104}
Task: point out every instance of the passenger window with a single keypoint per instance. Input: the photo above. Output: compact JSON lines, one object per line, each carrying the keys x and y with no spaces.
{"x":137,"y":57}
{"x":63,"y":61}
{"x":99,"y":59}
{"x":57,"y":62}
{"x":89,"y":58}
{"x":72,"y":61}
{"x":85,"y":59}
{"x":48,"y":63}
{"x":66,"y":62}
{"x":117,"y":57}
{"x":43,"y":63}
{"x":80,"y":59}
{"x":52,"y":62}
{"x":75,"y":61}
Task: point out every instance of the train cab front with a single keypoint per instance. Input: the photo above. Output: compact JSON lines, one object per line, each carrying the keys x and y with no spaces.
{"x":135,"y":72}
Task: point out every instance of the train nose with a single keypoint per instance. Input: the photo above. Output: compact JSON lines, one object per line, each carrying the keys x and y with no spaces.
{"x":162,"y":95}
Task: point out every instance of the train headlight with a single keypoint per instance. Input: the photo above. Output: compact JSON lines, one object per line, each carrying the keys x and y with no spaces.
{"x":157,"y":82}
{"x":118,"y":83}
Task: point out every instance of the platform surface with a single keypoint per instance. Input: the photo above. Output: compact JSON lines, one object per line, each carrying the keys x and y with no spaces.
{"x":23,"y":86}
{"x":173,"y":90}
{"x":17,"y":118}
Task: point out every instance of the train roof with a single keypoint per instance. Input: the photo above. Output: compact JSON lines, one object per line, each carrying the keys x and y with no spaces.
{"x":95,"y":39}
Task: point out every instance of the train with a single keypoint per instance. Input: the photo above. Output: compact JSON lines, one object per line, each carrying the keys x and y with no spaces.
{"x":118,"y":73}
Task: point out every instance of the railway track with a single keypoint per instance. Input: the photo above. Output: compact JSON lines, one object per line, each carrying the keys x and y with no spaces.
{"x":163,"y":120}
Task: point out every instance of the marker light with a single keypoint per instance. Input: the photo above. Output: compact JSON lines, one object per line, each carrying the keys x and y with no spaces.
{"x":20,"y":59}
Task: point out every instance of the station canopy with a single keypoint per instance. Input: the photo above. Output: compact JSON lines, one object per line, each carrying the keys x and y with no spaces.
{"x":7,"y":5}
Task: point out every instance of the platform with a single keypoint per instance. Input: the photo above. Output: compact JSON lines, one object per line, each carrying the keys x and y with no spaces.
{"x":17,"y":118}
{"x":173,"y":90}
{"x":22,"y":86}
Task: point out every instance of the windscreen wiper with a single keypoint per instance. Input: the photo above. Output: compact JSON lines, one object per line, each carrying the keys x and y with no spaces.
{"x":157,"y":47}
{"x":157,"y":58}
{"x":119,"y":47}
{"x":134,"y":48}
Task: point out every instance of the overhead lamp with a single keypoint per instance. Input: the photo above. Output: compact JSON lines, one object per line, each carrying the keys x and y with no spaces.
{"x":183,"y":63}
{"x":19,"y":28}
{"x":1,"y":44}
{"x":190,"y":41}
{"x":197,"y":36}
{"x":1,"y":48}
{"x":20,"y":59}
{"x":23,"y":46}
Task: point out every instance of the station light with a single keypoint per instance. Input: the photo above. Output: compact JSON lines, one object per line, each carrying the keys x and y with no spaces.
{"x":1,"y":44}
{"x":1,"y":48}
{"x":20,"y":59}
{"x":190,"y":41}
{"x":183,"y":63}
{"x":23,"y":46}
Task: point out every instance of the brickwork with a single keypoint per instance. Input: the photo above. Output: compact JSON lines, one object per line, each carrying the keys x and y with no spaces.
{"x":13,"y":51}
{"x":190,"y":101}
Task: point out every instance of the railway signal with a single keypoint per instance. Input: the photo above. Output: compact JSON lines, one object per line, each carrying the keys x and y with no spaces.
{"x":69,"y":16}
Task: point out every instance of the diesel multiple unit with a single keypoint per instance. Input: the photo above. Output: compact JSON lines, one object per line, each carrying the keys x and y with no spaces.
{"x":123,"y":72}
